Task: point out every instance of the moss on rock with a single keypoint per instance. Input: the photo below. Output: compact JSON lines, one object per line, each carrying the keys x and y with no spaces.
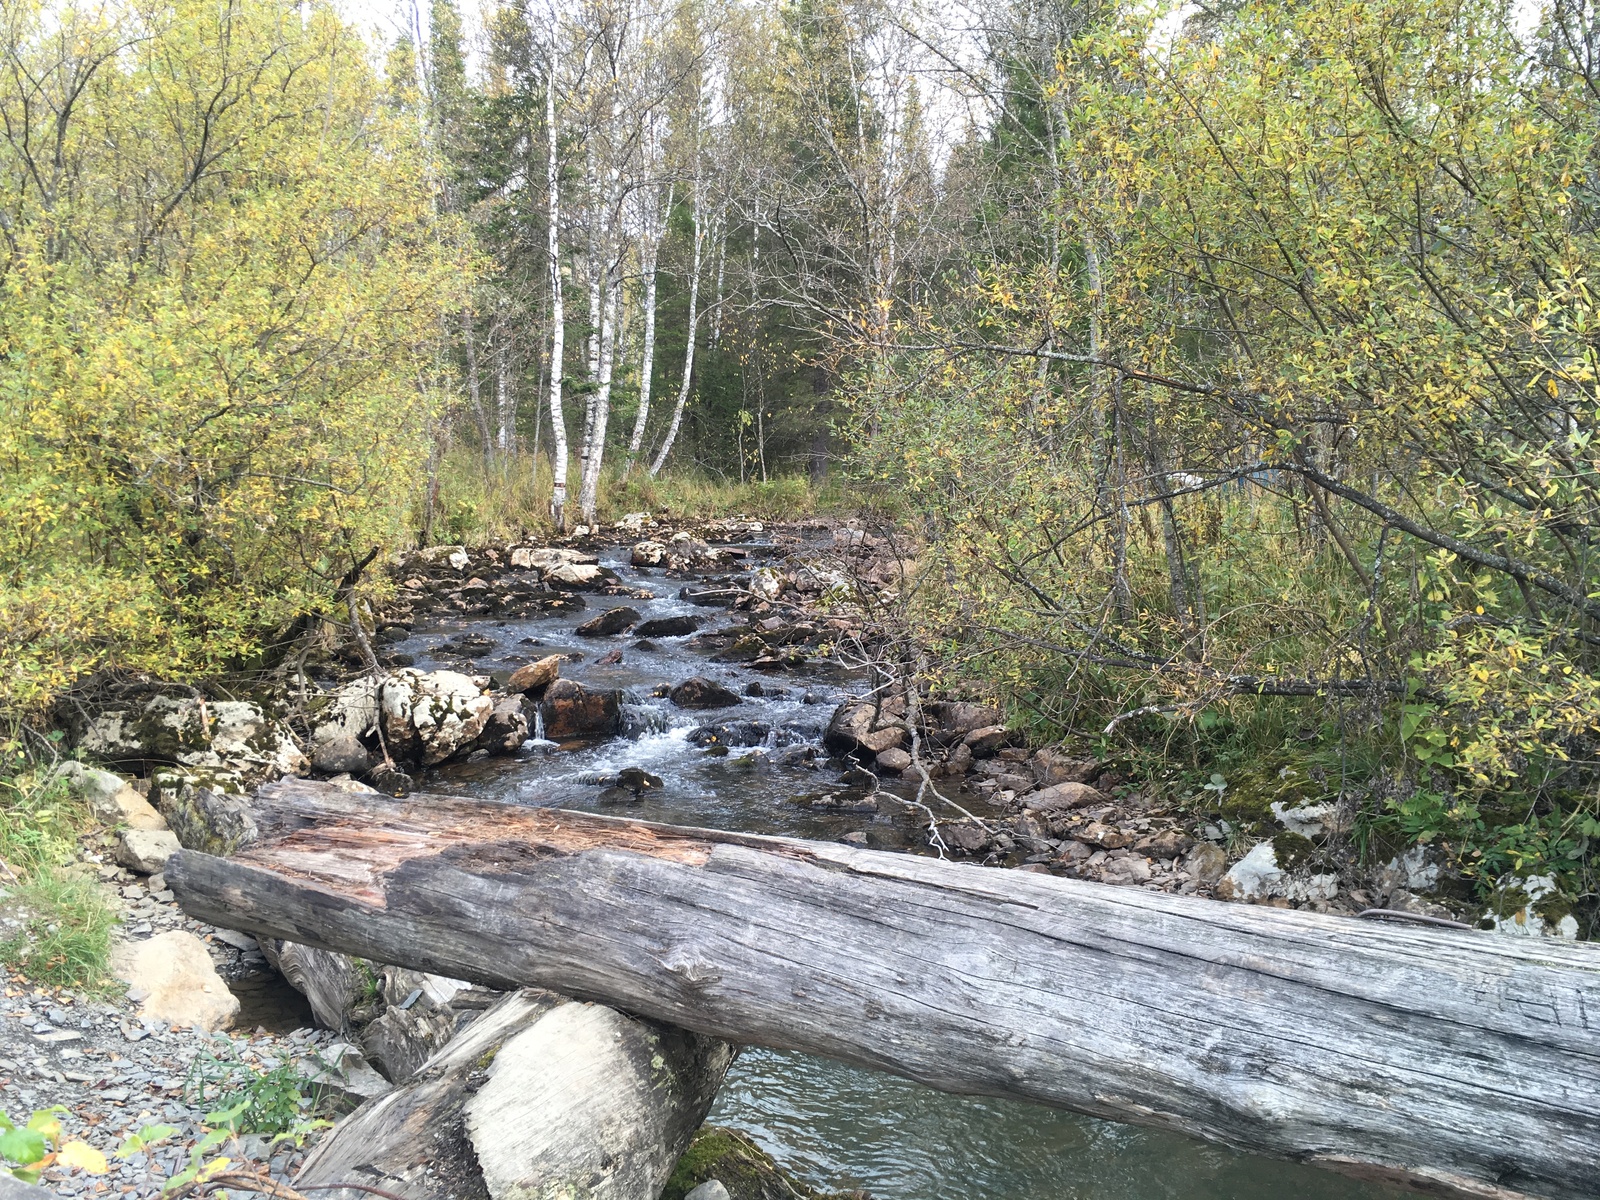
{"x":747,"y":1171}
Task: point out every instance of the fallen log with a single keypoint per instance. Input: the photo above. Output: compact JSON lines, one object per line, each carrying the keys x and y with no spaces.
{"x":540,"y":1098}
{"x":1461,"y":1062}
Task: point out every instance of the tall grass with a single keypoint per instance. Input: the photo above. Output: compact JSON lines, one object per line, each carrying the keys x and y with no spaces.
{"x":508,"y":499}
{"x":57,"y":924}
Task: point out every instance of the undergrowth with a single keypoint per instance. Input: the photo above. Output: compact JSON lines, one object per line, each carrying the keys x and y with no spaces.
{"x":55,"y":926}
{"x":483,"y":502}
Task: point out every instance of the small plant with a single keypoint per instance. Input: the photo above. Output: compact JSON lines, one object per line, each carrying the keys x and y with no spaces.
{"x":251,"y":1100}
{"x":33,"y":1147}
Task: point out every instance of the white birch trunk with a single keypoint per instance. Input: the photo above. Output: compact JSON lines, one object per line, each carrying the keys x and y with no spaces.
{"x":558,"y":314}
{"x":694,"y":315}
{"x":505,"y":397}
{"x":600,"y":407}
{"x":650,"y":252}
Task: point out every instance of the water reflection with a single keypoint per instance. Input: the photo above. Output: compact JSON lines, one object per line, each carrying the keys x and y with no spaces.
{"x":841,"y":1127}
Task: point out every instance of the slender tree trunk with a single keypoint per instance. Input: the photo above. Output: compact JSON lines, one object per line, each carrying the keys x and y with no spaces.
{"x":475,"y":389}
{"x":651,"y":251}
{"x":558,"y":315}
{"x":505,"y":398}
{"x":589,"y":492}
{"x":694,"y":316}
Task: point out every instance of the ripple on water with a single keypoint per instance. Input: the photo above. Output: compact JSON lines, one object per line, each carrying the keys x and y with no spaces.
{"x":843,"y":1127}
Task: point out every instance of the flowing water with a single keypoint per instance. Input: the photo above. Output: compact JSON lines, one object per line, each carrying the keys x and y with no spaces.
{"x":839,"y":1127}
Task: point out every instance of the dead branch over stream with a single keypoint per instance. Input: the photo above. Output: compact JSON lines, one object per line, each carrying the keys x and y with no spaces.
{"x":1465,"y":1062}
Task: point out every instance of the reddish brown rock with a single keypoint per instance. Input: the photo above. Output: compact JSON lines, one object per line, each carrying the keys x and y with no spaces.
{"x":571,"y":710}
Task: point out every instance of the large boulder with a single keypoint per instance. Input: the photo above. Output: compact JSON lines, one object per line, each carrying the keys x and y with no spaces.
{"x":427,"y":716}
{"x":951,"y":720}
{"x":609,"y":623}
{"x":234,"y":735}
{"x":570,"y":710}
{"x":700,"y":692}
{"x":173,"y":980}
{"x":213,"y":822}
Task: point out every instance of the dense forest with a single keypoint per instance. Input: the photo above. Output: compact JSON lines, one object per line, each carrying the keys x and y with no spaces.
{"x":1233,"y":367}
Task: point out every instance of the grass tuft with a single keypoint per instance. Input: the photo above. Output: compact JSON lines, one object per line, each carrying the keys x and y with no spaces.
{"x":55,"y":925}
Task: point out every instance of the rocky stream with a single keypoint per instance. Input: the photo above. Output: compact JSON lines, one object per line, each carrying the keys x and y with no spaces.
{"x":712,"y":683}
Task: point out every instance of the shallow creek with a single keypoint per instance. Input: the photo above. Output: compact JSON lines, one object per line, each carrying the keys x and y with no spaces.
{"x":837,"y":1126}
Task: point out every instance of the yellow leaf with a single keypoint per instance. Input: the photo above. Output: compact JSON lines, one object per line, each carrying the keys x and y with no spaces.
{"x":82,"y":1156}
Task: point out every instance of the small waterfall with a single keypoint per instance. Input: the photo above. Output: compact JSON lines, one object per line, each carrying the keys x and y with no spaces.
{"x":641,"y":714}
{"x":538,"y":723}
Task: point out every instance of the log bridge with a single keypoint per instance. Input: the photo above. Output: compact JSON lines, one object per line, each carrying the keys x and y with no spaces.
{"x":1458,"y":1062}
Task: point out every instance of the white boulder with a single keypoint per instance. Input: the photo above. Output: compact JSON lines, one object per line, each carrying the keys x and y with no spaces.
{"x":172,"y":979}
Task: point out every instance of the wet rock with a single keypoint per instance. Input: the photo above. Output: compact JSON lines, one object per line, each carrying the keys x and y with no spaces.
{"x":145,"y":850}
{"x":536,"y":676}
{"x":391,"y":780}
{"x":574,"y":575}
{"x":340,"y":753}
{"x":173,"y":980}
{"x":730,"y":733}
{"x":507,"y":726}
{"x":700,"y":692}
{"x":609,"y":623}
{"x":1063,"y":796}
{"x":648,"y":554}
{"x":638,"y":781}
{"x":646,"y":646}
{"x":1206,"y":863}
{"x":571,"y":710}
{"x":967,"y":836}
{"x":711,"y":597}
{"x":893,"y":760}
{"x":668,"y":627}
{"x":550,"y":558}
{"x":851,"y":722}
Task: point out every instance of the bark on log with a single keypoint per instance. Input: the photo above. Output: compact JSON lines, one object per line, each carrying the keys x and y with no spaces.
{"x":541,"y":1098}
{"x":1459,"y":1061}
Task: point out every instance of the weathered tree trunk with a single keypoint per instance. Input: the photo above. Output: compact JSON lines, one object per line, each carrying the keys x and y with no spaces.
{"x":541,"y":1098}
{"x":1464,"y":1061}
